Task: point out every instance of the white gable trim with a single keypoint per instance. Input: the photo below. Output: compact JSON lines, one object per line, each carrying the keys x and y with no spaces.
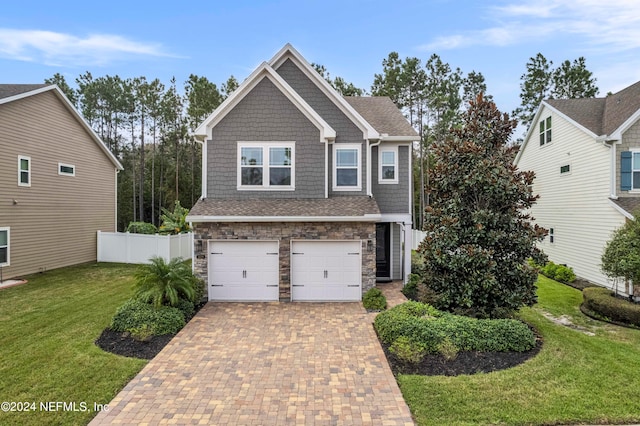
{"x":533,"y":129}
{"x":289,"y":52}
{"x":74,"y":112}
{"x":264,"y":71}
{"x":617,"y":134}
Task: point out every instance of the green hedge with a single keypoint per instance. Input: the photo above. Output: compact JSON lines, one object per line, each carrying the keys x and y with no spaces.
{"x":142,"y":228}
{"x":430,"y":328}
{"x":557,"y":272}
{"x":602,"y":301}
{"x":136,"y":315}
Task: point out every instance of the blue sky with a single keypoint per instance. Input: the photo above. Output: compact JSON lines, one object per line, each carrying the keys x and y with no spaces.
{"x":217,"y":39}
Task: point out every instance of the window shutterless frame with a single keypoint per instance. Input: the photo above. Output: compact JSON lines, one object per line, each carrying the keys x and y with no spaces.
{"x":24,"y":170}
{"x":347,"y":167}
{"x":66,"y":169}
{"x":266,"y":166}
{"x":4,"y":246}
{"x":388,"y":165}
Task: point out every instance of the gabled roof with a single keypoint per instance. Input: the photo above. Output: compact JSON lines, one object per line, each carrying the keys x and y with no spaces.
{"x":383,"y":115}
{"x":263,"y":71}
{"x":586,"y":112}
{"x":347,"y":208}
{"x":288,"y":52}
{"x":13,"y":92}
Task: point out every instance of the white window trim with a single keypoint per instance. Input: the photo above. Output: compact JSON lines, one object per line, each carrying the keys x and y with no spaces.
{"x":265,"y":166}
{"x":634,"y":151}
{"x":61,"y":173}
{"x":8,"y":246}
{"x":552,"y":235}
{"x":546,"y":142}
{"x":381,"y":179}
{"x":20,"y":158}
{"x":358,"y":186}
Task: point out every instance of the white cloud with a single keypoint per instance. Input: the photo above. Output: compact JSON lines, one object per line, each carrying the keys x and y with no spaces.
{"x":53,"y":48}
{"x":613,"y":25}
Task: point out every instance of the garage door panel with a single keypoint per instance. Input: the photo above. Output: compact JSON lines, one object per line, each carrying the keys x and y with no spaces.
{"x":243,"y":270}
{"x":326,"y":271}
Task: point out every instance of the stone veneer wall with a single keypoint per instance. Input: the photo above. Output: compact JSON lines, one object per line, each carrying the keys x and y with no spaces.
{"x":285,"y":232}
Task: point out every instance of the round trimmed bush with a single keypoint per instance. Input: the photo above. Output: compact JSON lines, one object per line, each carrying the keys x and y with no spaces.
{"x":603,"y":302}
{"x":374,"y":300}
{"x":142,"y":228}
{"x":136,"y":315}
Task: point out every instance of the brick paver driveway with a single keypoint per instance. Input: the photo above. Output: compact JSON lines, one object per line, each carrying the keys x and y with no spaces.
{"x":267,"y":363}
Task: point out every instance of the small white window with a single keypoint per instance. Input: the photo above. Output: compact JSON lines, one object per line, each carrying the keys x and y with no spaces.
{"x":388,"y":168}
{"x":24,"y":171}
{"x":4,"y":246}
{"x":565,"y":169}
{"x":552,"y":235}
{"x":66,"y":169}
{"x":346,"y":167}
{"x":266,"y":165}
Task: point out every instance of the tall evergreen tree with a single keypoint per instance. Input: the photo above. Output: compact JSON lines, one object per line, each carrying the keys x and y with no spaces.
{"x":61,"y":82}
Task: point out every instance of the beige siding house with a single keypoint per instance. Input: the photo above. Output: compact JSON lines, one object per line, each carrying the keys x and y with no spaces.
{"x":586,"y":156}
{"x":57,"y":182}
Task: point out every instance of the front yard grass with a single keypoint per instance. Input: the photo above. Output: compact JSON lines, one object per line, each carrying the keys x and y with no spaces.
{"x":576,"y":378}
{"x":47,"y":354}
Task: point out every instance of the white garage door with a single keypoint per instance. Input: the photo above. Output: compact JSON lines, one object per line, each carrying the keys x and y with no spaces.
{"x":243,"y":270}
{"x":326,"y":271}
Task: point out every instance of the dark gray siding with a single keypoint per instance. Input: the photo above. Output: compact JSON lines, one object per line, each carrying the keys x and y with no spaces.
{"x":392,"y":198}
{"x":346,"y":130}
{"x":265,"y":115}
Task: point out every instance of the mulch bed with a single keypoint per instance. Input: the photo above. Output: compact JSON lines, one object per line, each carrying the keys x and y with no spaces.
{"x":467,"y":362}
{"x":121,"y":343}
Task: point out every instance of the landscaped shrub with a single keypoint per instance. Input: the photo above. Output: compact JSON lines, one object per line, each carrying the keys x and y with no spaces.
{"x":561,"y":273}
{"x":187,"y":308}
{"x":135,"y":315}
{"x":374,"y":300}
{"x":410,"y":290}
{"x":142,"y":228}
{"x":432,"y":328}
{"x":408,"y":350}
{"x":163,"y":283}
{"x":603,"y":302}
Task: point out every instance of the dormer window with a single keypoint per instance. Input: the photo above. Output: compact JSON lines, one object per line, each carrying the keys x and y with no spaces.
{"x":545,"y":131}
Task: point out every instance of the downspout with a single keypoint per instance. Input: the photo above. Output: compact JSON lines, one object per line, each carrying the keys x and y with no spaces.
{"x":612,"y":178}
{"x":203,"y":172}
{"x":369,"y":156}
{"x":326,"y":169}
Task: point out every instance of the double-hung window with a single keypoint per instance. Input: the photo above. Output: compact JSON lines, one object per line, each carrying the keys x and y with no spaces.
{"x":4,"y":246}
{"x":388,"y":168}
{"x":545,"y":131}
{"x":266,"y":165}
{"x":635,"y":170}
{"x":346,"y":167}
{"x":24,"y":171}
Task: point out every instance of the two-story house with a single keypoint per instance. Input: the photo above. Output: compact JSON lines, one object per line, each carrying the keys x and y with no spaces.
{"x":306,"y":195}
{"x":586,"y":156}
{"x":57,"y":182}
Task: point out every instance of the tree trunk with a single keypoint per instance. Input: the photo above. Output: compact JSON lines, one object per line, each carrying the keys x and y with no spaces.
{"x":141,"y":195}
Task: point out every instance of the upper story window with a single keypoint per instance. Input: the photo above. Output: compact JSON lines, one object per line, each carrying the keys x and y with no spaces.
{"x":552,"y":235}
{"x":266,"y":165}
{"x":66,"y":169}
{"x":388,"y":169}
{"x":630,"y":170}
{"x":346,"y":169}
{"x":24,"y":171}
{"x":565,"y":169}
{"x":545,"y":131}
{"x":4,"y":246}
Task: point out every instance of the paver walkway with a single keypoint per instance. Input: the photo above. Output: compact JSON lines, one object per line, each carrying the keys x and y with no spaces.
{"x":267,"y":364}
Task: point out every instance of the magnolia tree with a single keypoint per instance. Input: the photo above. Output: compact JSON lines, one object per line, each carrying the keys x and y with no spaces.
{"x":621,"y":257}
{"x":479,"y":234}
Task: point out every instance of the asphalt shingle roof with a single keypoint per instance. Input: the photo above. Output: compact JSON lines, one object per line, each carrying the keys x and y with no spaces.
{"x":629,"y":204}
{"x":382,"y":114}
{"x":602,"y":116}
{"x":296,"y":207}
{"x":8,"y":90}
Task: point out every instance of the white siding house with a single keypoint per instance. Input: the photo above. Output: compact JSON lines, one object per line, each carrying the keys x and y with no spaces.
{"x":574,"y":147}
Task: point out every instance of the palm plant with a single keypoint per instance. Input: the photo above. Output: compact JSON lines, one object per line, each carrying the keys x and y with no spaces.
{"x":163,"y":283}
{"x":174,"y":222}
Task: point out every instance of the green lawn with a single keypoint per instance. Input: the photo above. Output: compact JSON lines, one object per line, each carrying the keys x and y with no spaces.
{"x":47,"y":354}
{"x":575,"y":378}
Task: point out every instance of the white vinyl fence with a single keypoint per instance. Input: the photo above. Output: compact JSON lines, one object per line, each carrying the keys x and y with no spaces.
{"x":416,"y":238}
{"x":124,"y":247}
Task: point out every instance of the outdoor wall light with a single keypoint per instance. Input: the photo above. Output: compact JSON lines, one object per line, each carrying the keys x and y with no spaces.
{"x":369,"y":246}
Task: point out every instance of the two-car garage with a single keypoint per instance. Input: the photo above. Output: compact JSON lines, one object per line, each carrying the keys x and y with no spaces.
{"x":319,"y":270}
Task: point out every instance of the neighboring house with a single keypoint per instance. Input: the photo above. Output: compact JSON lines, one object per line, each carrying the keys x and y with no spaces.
{"x":306,"y":195}
{"x":57,"y":182}
{"x":586,"y":156}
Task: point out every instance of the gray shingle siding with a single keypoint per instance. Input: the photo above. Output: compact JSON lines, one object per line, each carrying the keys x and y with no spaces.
{"x":265,"y":115}
{"x":392,"y":198}
{"x":346,"y":130}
